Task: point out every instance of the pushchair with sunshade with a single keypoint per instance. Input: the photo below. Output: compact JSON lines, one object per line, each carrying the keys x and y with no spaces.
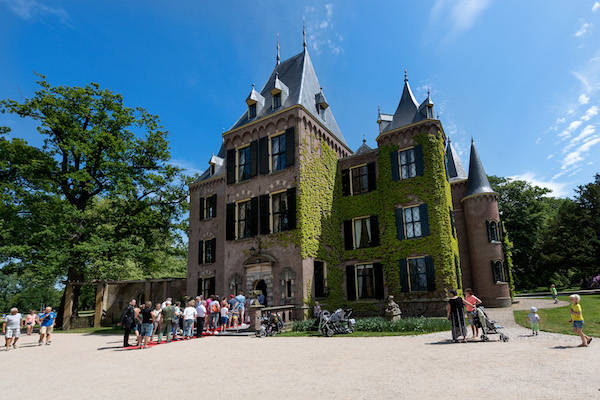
{"x":487,"y":326}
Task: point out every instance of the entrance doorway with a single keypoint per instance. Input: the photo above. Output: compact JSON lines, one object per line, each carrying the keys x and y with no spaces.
{"x":262,"y":286}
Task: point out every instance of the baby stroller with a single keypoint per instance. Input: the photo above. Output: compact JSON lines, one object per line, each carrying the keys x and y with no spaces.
{"x":487,"y":326}
{"x":337,"y":323}
{"x":270,"y":324}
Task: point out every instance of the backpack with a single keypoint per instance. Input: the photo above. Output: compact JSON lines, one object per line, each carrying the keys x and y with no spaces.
{"x":214,"y":306}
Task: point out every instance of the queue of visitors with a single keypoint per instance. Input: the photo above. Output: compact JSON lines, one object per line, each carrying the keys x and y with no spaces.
{"x":172,"y":321}
{"x":14,"y":322}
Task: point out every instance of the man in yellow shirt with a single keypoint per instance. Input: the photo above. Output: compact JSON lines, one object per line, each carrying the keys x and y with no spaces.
{"x":577,"y":319}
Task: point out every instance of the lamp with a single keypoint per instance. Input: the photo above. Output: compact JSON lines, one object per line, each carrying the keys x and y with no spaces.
{"x":252,"y":251}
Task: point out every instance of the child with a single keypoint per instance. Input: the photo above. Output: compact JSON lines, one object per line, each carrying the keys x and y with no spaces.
{"x":472,"y":302}
{"x":534,"y":320}
{"x":577,"y":319}
{"x":554,"y":293}
{"x":224,"y":315}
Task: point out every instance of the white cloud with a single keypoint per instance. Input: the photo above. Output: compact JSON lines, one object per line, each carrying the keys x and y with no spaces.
{"x":320,"y":29}
{"x":596,"y":6}
{"x":585,"y":27}
{"x":584,"y":135}
{"x":463,"y":13}
{"x":29,"y":9}
{"x":590,"y":113}
{"x":572,"y":159}
{"x":583,"y":98}
{"x":538,"y":140}
{"x":557,"y":188}
{"x":550,"y":156}
{"x":560,"y":120}
{"x":187,"y":166}
{"x":567,"y":132}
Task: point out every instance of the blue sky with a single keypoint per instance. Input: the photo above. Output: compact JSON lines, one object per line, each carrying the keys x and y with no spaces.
{"x":521,"y":77}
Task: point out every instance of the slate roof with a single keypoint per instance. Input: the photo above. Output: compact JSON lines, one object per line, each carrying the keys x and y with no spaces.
{"x":298,"y":74}
{"x":456,"y":171}
{"x":364,"y":148}
{"x":478,"y":182}
{"x":408,"y":110}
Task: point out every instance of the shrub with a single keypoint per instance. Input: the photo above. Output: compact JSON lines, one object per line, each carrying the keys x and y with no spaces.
{"x":380,"y":324}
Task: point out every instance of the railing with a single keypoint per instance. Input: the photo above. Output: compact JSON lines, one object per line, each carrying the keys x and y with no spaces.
{"x":286,"y":313}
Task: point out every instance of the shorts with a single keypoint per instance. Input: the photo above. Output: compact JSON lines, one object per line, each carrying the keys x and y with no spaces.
{"x":578,"y":324}
{"x":224,"y":320}
{"x":535,"y":326}
{"x":470,"y":316}
{"x":46,"y":329}
{"x":12,"y":333}
{"x":147,"y":329}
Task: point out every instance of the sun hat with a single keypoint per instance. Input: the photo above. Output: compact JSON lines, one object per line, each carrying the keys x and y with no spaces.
{"x":533,"y":309}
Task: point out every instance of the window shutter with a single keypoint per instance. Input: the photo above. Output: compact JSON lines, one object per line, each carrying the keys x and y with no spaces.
{"x":213,"y":246}
{"x":430,"y":273}
{"x":253,"y":216}
{"x":291,"y":204}
{"x":424,"y":220}
{"x":452,"y":223}
{"x":346,"y":182}
{"x":500,"y":231}
{"x":230,"y":156}
{"x":201,"y":209}
{"x":230,"y":222}
{"x":214,"y":204}
{"x":253,"y":158}
{"x":211,"y":285}
{"x":419,"y":160}
{"x":403,"y":275}
{"x":487,"y":228}
{"x":372,"y":176}
{"x":263,"y":155}
{"x":446,"y":167}
{"x":374,"y":230}
{"x":378,"y":272}
{"x":395,"y":166}
{"x":400,"y":223}
{"x":290,"y":146}
{"x":348,"y":239}
{"x":200,"y":252}
{"x":350,"y":283}
{"x":264,"y":214}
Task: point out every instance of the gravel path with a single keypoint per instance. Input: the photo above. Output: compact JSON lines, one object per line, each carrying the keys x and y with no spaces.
{"x":90,"y":367}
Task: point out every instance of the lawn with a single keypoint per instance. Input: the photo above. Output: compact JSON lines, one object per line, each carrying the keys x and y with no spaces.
{"x":353,"y":334}
{"x":556,"y":319}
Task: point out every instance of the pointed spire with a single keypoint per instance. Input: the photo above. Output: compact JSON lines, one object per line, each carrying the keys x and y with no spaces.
{"x":304,"y":34}
{"x":364,"y":138}
{"x":478,"y":182}
{"x":456,"y":171}
{"x":405,"y":75}
{"x":278,"y":48}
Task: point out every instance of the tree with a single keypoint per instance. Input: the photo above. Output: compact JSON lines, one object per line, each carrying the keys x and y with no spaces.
{"x":100,"y":192}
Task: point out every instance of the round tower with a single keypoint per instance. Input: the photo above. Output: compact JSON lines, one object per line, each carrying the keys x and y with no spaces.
{"x":480,"y":204}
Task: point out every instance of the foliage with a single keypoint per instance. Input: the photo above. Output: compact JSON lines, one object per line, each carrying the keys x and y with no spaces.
{"x":99,"y":199}
{"x":414,"y":325}
{"x":556,"y":319}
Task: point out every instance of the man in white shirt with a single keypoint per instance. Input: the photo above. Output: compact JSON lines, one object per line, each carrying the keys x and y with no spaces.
{"x":200,"y":314}
{"x":189,"y":316}
{"x":164,"y":303}
{"x":11,"y":327}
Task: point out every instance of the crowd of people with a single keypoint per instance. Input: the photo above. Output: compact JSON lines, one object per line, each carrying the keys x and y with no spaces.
{"x":15,"y":322}
{"x":172,"y":320}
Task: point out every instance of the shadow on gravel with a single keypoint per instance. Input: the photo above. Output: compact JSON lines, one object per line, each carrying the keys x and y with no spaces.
{"x":565,"y":347}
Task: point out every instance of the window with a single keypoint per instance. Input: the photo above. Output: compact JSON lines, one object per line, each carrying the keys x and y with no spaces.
{"x":252,"y":111}
{"x":243,"y":219}
{"x":412,"y":222}
{"x":365,"y":281}
{"x":278,"y":153}
{"x":209,"y":251}
{"x":211,"y":207}
{"x":452,"y":223}
{"x":276,"y":101}
{"x":492,"y":229}
{"x":206,"y":286}
{"x":320,"y":279}
{"x":362,"y":232}
{"x":279,"y":211}
{"x":408,"y":165}
{"x":244,"y":163}
{"x":360,"y":179}
{"x":418,"y":274}
{"x":288,"y":288}
{"x":499,"y":273}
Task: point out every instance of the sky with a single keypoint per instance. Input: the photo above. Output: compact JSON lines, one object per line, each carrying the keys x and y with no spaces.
{"x":522,"y":78}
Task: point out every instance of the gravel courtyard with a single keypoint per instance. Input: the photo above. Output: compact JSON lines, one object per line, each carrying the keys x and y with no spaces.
{"x":77,"y":366}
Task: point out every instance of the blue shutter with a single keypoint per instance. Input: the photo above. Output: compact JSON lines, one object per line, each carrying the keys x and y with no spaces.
{"x":346,"y":182}
{"x":290,"y":146}
{"x":372,"y":176}
{"x":263,"y":155}
{"x":254,"y":158}
{"x":291,"y":204}
{"x":230,"y":163}
{"x":400,"y":223}
{"x":378,"y":273}
{"x":201,"y":209}
{"x":374,"y":221}
{"x":424,"y":220}
{"x":419,"y":160}
{"x":403,"y":275}
{"x":348,"y":239}
{"x":200,"y":252}
{"x":350,"y":283}
{"x":395,"y":166}
{"x":263,"y":214}
{"x":230,"y":222}
{"x":430,"y":273}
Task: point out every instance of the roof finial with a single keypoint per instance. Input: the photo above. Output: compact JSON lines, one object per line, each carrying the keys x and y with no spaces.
{"x":378,"y":109}
{"x":253,"y":86}
{"x":304,"y":33}
{"x":405,"y":75}
{"x":277,"y":48}
{"x":364,"y":138}
{"x":428,"y":92}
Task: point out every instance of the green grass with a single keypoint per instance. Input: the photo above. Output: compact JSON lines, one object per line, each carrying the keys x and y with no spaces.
{"x":378,"y":326}
{"x":557,"y":319}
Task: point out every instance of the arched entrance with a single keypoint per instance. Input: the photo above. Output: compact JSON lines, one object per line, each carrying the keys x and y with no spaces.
{"x":262,"y":286}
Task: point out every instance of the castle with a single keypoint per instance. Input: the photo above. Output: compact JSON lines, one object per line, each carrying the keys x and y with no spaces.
{"x":287,"y":208}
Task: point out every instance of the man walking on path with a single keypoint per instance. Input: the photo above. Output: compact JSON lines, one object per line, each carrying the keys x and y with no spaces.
{"x":11,"y":328}
{"x":47,"y":321}
{"x":201,"y":313}
{"x":167,"y":315}
{"x":554,"y":293}
{"x":128,"y":321}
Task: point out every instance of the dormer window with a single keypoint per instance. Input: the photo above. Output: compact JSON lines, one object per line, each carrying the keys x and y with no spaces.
{"x":276,"y":100}
{"x":212,"y":169}
{"x":252,"y":111}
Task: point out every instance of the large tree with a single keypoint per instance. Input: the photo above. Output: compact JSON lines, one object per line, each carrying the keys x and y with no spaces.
{"x":99,"y":195}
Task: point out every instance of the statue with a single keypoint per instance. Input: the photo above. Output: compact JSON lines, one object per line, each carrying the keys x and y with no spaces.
{"x":392,"y":311}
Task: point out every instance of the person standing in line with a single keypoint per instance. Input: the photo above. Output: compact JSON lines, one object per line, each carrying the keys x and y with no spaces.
{"x":138,"y":324}
{"x":147,"y":325}
{"x":577,"y":319}
{"x":166,"y":321}
{"x":241,"y":299}
{"x":472,"y":301}
{"x":554,"y":293}
{"x":200,"y":314}
{"x":11,"y":328}
{"x":231,"y":305}
{"x":128,"y":321}
{"x":176,"y":317}
{"x":47,"y":320}
{"x":224,"y":315}
{"x":456,"y":316}
{"x":534,"y":321}
{"x":30,"y":321}
{"x":214,"y":313}
{"x":156,"y":319}
{"x":189,"y":315}
{"x":164,"y":303}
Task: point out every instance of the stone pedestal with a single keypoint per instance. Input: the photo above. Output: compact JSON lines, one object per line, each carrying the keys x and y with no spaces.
{"x":254,"y":312}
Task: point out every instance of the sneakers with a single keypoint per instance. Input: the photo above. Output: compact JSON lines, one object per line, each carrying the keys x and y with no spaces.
{"x":40,"y":343}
